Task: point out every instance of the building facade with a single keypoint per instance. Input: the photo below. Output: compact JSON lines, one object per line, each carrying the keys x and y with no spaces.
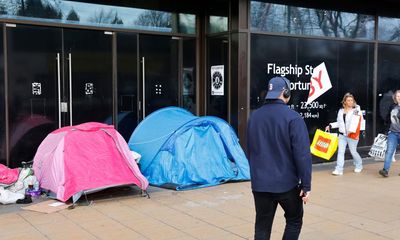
{"x":67,"y":62}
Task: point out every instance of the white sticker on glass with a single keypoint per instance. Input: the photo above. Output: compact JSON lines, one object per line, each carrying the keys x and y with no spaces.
{"x":36,"y":88}
{"x":89,"y":89}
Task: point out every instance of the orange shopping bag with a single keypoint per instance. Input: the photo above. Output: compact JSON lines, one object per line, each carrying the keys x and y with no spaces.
{"x":324,"y":144}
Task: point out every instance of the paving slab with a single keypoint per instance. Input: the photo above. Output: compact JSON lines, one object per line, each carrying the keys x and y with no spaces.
{"x":353,"y":206}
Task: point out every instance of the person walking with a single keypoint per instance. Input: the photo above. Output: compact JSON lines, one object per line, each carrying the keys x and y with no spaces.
{"x":280,"y":162}
{"x":345,"y":116}
{"x":393,"y":138}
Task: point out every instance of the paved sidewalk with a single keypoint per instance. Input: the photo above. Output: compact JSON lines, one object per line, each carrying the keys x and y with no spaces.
{"x":353,"y":206}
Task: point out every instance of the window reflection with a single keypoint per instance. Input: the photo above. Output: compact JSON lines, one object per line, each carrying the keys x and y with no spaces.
{"x":187,"y":23}
{"x":73,"y":12}
{"x":218,"y":24}
{"x":340,"y":58}
{"x":306,"y":21}
{"x":389,"y":29}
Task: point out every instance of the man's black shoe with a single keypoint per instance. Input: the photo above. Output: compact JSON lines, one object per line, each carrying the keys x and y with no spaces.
{"x":26,"y":200}
{"x":384,"y":173}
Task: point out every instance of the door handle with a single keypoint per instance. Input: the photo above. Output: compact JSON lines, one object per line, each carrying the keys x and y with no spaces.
{"x":144,"y":87}
{"x":70,"y":87}
{"x":59,"y":89}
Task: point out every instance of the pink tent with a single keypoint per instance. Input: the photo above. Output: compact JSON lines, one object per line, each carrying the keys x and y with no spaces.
{"x":85,"y":158}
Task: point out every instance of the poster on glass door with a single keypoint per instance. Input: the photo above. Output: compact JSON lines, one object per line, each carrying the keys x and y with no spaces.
{"x":217,"y":80}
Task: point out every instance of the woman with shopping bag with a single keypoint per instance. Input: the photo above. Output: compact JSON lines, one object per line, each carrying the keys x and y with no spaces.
{"x":348,"y":121}
{"x":393,"y":138}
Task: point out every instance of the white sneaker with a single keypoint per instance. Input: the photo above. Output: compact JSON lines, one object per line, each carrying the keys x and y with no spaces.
{"x":337,"y":173}
{"x":357,"y":170}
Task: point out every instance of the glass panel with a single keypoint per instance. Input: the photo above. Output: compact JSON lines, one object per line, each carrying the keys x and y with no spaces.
{"x":2,"y":104}
{"x":218,"y":24}
{"x":187,"y":23}
{"x":91,"y":62}
{"x":32,"y":88}
{"x":127,"y":61}
{"x":388,"y":82}
{"x":272,"y":17}
{"x":349,"y":66}
{"x":217,"y":87}
{"x":189,"y":75}
{"x":73,"y":12}
{"x":280,"y":51}
{"x":355,"y":75}
{"x":161,"y":71}
{"x":389,"y":29}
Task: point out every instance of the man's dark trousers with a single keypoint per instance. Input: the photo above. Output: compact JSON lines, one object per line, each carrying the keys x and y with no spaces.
{"x":266,"y":204}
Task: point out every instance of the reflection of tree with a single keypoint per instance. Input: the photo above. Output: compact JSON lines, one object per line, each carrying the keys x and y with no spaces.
{"x":2,"y":9}
{"x":333,"y":22}
{"x":35,"y":8}
{"x":72,"y":16}
{"x":110,"y":17}
{"x":395,"y":34}
{"x":154,"y":19}
{"x":297,"y":20}
{"x":11,"y":6}
{"x":259,"y":13}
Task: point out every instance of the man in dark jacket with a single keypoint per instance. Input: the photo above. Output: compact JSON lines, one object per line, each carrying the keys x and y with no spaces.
{"x":280,"y":161}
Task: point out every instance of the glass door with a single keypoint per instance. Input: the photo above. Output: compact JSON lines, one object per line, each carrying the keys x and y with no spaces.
{"x":159,"y":65}
{"x":217,"y":83}
{"x":33,"y":69}
{"x":127,"y":85}
{"x":3,"y":146}
{"x":88,"y":87}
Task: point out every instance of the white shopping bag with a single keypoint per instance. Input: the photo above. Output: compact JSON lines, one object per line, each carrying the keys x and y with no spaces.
{"x":354,"y":122}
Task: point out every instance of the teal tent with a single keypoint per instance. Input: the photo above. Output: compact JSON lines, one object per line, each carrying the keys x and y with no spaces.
{"x":182,"y":151}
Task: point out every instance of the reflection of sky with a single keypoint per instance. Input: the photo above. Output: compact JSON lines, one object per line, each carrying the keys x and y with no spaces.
{"x":88,"y":14}
{"x":86,"y":11}
{"x":388,"y":27}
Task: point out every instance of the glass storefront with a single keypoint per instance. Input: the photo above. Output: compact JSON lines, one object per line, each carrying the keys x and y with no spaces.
{"x":271,"y":17}
{"x":98,"y":15}
{"x":217,"y":79}
{"x":218,"y":24}
{"x":387,"y":83}
{"x":344,"y":42}
{"x":189,"y":85}
{"x":389,"y":29}
{"x":127,"y":85}
{"x":33,"y":67}
{"x":3,"y":157}
{"x":118,"y":62}
{"x":71,"y":76}
{"x":349,"y":65}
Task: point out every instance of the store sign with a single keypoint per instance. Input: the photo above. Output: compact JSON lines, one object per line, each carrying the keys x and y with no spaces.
{"x":319,"y":83}
{"x":289,"y":70}
{"x":217,"y":80}
{"x":307,"y":83}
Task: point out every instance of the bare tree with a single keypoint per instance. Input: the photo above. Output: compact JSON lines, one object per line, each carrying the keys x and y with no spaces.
{"x":259,"y":14}
{"x":2,"y":9}
{"x":395,"y":34}
{"x":36,"y":8}
{"x":154,"y":18}
{"x":110,"y":17}
{"x":342,"y":24}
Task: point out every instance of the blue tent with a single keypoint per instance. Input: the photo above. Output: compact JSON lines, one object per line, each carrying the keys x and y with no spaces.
{"x":182,"y":151}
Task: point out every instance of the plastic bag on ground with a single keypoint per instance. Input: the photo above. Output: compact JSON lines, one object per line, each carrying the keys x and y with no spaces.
{"x":8,"y":197}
